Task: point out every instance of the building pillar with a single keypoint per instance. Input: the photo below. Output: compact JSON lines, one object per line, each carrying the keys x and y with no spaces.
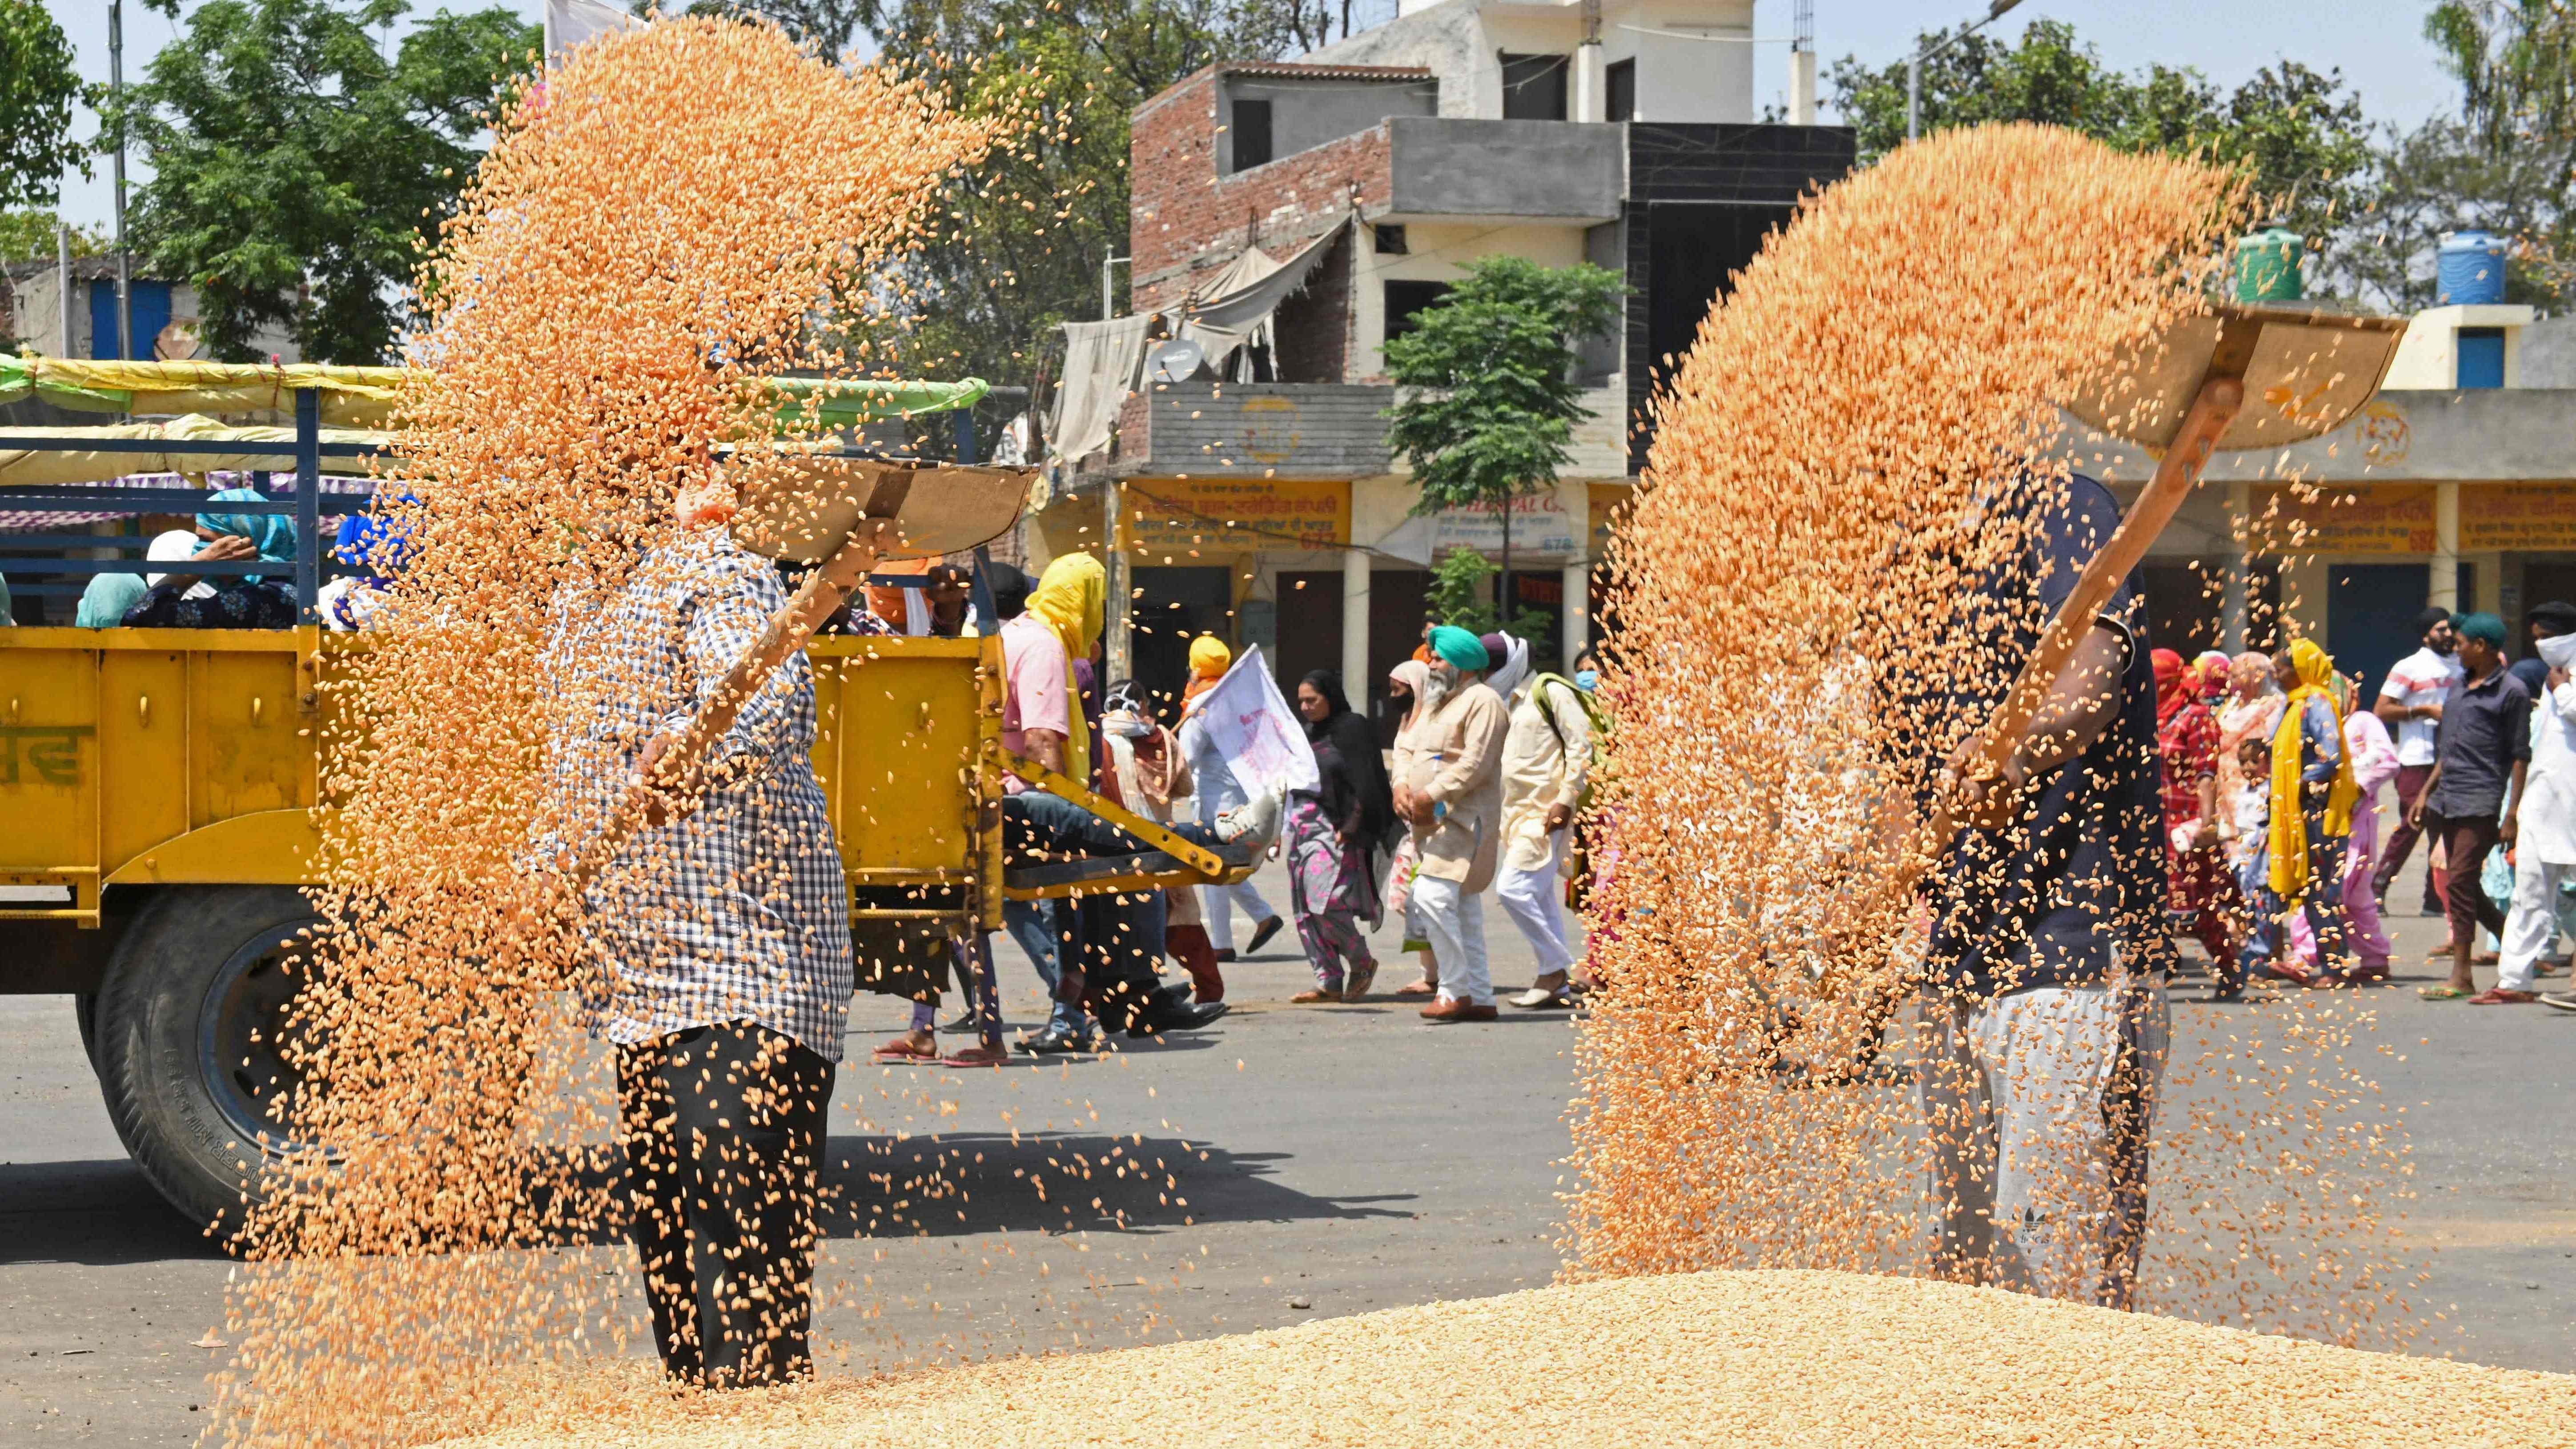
{"x":1576,"y":629}
{"x":1802,"y":86}
{"x":1591,"y":101}
{"x":1355,"y":627}
{"x":2442,"y":588}
{"x":2233,"y":608}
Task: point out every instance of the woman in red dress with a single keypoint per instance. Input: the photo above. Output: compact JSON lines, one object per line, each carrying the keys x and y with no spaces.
{"x":2201,"y":891}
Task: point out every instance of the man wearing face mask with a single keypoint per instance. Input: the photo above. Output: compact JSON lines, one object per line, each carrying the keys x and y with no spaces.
{"x":1448,"y":774}
{"x":2544,"y":867}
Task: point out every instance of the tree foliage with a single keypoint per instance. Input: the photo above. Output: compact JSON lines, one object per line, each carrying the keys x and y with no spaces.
{"x":2503,"y":164}
{"x":39,"y":86}
{"x":28,"y":236}
{"x":296,"y":167}
{"x":2301,"y":134}
{"x":1490,"y":400}
{"x":2443,"y":177}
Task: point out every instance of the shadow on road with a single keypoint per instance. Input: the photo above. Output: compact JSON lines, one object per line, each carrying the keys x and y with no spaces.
{"x":103,"y":1213}
{"x":978,"y":1182}
{"x":97,"y":1213}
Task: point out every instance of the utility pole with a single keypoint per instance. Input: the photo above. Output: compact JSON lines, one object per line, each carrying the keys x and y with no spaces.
{"x":1914,"y":63}
{"x":63,"y":280}
{"x":1118,"y":635}
{"x":116,"y":98}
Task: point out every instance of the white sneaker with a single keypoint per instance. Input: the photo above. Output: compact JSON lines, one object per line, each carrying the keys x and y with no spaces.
{"x":1253,"y":824}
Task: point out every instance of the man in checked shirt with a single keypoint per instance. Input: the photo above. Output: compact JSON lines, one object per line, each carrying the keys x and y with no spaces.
{"x":726,"y":977}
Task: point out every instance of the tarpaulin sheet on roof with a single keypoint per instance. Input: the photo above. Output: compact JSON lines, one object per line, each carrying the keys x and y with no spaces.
{"x":48,"y":467}
{"x":351,"y":396}
{"x":365,"y":396}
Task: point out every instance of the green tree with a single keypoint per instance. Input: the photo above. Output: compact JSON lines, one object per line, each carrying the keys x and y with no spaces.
{"x":2444,"y":177}
{"x":2516,"y":63}
{"x":39,"y":86}
{"x":296,"y":167}
{"x":2300,"y":134}
{"x":1489,"y":401}
{"x":28,"y":236}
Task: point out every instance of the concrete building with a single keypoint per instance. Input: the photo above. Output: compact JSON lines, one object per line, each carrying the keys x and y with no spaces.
{"x":2455,"y":486}
{"x":163,"y":313}
{"x":1260,"y":500}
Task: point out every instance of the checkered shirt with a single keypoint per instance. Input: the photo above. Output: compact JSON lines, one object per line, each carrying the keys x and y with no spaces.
{"x":739,"y":909}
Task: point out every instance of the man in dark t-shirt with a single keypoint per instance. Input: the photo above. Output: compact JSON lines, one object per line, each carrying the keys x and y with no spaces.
{"x":2045,"y":963}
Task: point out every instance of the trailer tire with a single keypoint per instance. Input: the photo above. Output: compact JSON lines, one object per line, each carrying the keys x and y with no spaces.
{"x":186,"y":1042}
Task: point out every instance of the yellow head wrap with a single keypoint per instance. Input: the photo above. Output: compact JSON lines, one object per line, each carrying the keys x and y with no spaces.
{"x":1072,"y":597}
{"x":2288,"y":834}
{"x":1209,"y":658}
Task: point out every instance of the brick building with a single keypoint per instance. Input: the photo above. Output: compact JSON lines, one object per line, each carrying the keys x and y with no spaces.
{"x":1260,"y":499}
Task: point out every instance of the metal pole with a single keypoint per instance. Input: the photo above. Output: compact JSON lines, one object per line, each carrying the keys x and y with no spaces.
{"x":63,"y":275}
{"x":1914,"y":95}
{"x":1109,"y":298}
{"x":116,"y":97}
{"x":308,"y":502}
{"x":1113,"y":504}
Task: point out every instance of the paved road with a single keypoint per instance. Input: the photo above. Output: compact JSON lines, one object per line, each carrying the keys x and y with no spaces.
{"x":1354,"y":1159}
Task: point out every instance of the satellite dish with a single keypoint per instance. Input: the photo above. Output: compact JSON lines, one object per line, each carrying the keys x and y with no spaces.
{"x":1178,"y":360}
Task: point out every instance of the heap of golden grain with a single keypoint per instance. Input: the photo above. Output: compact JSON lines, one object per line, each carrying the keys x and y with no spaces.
{"x":1786,"y":1357}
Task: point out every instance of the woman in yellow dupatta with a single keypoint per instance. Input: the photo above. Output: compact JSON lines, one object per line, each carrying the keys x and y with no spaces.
{"x":2312,"y":800}
{"x":1072,"y":597}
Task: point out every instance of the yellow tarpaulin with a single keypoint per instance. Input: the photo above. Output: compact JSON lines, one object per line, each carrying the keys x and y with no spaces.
{"x":363,"y":397}
{"x":351,"y":396}
{"x":32,"y":467}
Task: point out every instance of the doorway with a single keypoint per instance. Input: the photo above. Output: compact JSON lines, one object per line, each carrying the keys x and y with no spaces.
{"x":1174,"y":606}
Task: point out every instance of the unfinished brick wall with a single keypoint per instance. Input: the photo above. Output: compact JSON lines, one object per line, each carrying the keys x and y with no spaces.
{"x":1186,"y":220}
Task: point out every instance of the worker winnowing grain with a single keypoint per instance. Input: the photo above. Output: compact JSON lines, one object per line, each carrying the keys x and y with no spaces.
{"x":724,"y":973}
{"x":2046,"y":1002}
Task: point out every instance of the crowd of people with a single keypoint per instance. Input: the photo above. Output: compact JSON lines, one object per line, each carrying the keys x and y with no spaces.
{"x":2273,"y":768}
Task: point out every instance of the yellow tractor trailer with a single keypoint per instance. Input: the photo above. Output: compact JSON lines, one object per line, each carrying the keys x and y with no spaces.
{"x":161,"y":801}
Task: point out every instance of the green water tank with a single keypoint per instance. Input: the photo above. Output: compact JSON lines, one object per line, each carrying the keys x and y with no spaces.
{"x":2267,"y":266}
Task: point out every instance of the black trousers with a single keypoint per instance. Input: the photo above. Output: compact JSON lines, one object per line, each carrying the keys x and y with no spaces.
{"x":723,"y":1131}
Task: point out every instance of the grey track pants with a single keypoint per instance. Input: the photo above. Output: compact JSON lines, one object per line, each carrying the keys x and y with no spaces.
{"x":2039,"y":1103}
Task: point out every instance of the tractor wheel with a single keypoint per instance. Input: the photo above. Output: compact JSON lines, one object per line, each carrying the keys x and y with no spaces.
{"x":188,"y":1026}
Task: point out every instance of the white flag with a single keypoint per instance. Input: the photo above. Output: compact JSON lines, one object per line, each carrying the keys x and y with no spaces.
{"x":1256,"y":731}
{"x":570,"y":22}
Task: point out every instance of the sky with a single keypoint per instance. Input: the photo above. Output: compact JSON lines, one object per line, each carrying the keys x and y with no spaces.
{"x":2377,"y":44}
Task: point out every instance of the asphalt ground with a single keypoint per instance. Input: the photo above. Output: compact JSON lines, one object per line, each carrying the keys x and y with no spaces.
{"x":1288,"y":1162}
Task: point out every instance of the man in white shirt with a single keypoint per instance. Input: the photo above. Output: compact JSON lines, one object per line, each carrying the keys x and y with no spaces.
{"x":2544,"y":865}
{"x":2410,"y":704}
{"x":1547,"y":755}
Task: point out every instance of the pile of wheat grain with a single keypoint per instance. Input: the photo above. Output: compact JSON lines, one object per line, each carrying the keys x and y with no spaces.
{"x":1786,"y":588}
{"x":1787,"y":1358}
{"x":661,"y":219}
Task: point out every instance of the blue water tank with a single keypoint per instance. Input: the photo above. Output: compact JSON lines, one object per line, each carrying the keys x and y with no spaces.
{"x":2469,"y":271}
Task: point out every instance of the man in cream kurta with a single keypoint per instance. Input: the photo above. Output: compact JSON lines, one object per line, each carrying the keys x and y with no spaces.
{"x":1547,"y":755}
{"x":1448,"y":773}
